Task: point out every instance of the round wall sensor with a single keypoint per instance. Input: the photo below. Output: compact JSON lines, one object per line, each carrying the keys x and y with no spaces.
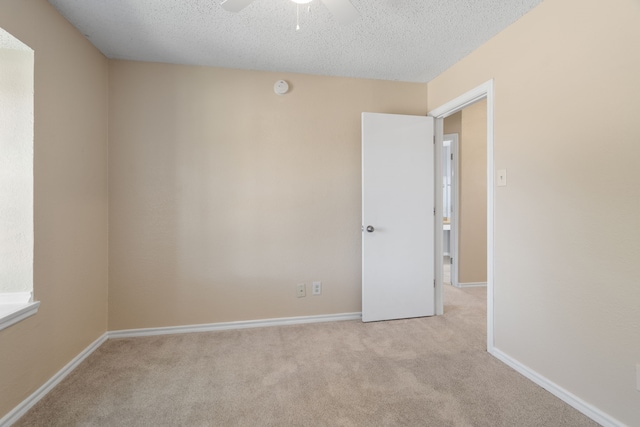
{"x":281,"y":87}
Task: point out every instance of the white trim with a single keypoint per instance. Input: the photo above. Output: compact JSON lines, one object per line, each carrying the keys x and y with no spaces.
{"x":485,"y":90}
{"x":471,"y":284}
{"x":17,"y":412}
{"x":11,"y":314}
{"x":490,"y":213}
{"x":8,"y":298}
{"x":587,"y":409}
{"x":438,"y":268}
{"x":463,"y":101}
{"x":145,"y":332}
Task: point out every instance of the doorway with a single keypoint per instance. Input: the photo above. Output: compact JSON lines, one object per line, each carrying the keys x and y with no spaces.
{"x":482,"y":92}
{"x":450,"y":156}
{"x":465,"y":196}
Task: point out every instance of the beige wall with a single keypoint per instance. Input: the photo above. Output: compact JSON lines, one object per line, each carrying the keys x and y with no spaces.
{"x":70,"y":198}
{"x":472,"y":252}
{"x":567,"y":240}
{"x":453,"y":124}
{"x":224,"y":195}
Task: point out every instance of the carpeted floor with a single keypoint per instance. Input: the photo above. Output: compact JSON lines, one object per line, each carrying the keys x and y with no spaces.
{"x":446,"y":270}
{"x":417,"y":372}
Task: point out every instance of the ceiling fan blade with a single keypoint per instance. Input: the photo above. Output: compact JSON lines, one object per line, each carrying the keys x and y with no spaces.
{"x":235,"y":5}
{"x":342,"y":10}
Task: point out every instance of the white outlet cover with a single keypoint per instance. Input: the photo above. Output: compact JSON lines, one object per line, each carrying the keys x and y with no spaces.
{"x":316,"y":288}
{"x":301,"y":290}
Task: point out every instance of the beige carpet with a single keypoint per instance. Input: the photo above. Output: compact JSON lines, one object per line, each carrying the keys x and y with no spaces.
{"x":418,"y":372}
{"x":446,"y":270}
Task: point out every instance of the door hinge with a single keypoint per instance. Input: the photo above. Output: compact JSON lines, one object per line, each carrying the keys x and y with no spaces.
{"x":434,"y":211}
{"x":434,"y":283}
{"x":434,"y":140}
{"x":451,"y":156}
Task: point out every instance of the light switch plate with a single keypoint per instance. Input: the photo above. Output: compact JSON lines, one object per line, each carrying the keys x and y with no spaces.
{"x":501,"y":177}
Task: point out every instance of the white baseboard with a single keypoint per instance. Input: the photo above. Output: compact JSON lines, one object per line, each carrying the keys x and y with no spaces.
{"x":587,"y":409}
{"x":17,"y":412}
{"x":471,"y":284}
{"x":145,"y":332}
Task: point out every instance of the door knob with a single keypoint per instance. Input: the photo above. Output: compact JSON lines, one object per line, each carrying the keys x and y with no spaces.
{"x":370,"y":228}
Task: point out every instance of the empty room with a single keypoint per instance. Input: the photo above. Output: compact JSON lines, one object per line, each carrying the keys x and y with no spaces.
{"x":209,"y":213}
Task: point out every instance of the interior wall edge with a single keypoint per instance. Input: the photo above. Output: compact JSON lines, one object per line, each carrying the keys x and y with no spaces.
{"x":566,"y":396}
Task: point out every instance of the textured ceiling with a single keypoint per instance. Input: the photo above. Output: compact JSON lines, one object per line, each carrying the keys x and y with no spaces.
{"x":405,"y":40}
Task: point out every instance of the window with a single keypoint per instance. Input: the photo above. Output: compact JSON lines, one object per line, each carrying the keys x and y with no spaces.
{"x":16,"y":180}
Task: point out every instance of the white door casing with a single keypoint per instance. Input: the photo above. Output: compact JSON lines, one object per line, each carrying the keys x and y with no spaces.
{"x":485,"y":90}
{"x":398,"y":187}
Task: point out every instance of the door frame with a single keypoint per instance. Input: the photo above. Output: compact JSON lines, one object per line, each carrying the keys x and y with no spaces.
{"x":484,"y":91}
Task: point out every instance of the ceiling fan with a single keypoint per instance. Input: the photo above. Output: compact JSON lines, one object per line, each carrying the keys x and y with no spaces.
{"x":342,"y":10}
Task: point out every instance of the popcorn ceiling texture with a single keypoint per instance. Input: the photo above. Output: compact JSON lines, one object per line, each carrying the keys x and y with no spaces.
{"x":405,"y":40}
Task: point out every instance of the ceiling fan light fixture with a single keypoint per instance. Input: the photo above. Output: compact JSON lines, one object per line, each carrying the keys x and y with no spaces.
{"x":342,"y":10}
{"x":298,"y":3}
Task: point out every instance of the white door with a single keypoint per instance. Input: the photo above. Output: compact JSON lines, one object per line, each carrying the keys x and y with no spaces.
{"x":397,"y":217}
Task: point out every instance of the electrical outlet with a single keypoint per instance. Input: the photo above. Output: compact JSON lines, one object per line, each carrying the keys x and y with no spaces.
{"x":316,"y":288}
{"x":301,"y":290}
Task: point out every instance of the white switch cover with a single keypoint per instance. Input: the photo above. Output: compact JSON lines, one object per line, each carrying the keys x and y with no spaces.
{"x":501,"y":177}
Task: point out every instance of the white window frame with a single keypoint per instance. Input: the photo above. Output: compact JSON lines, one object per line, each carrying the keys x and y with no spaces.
{"x":16,"y":305}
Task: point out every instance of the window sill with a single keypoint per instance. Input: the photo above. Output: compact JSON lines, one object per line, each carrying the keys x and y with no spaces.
{"x":11,"y":314}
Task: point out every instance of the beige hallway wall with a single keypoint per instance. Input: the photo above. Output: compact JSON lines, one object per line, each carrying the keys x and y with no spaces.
{"x":566,"y":235}
{"x":224,"y":195}
{"x":472,"y":252}
{"x":70,"y":201}
{"x":453,"y":124}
